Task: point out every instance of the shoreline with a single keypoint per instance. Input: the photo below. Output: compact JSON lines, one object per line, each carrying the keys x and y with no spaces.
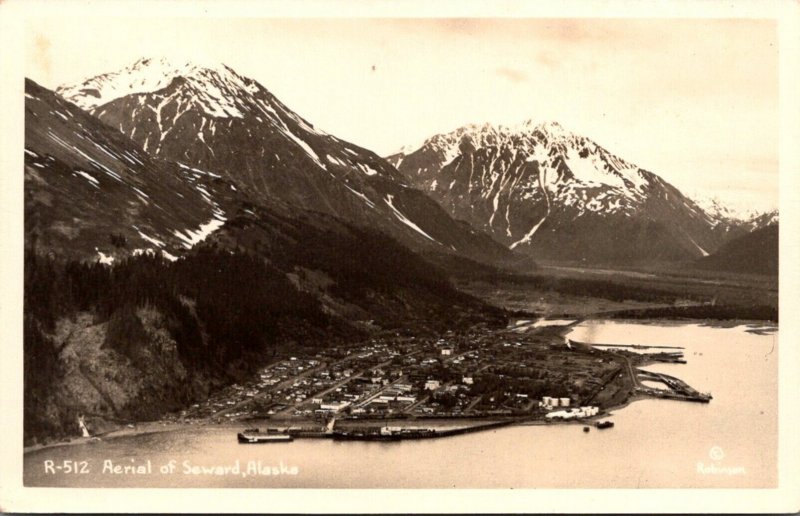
{"x":149,"y":427}
{"x":153,"y":427}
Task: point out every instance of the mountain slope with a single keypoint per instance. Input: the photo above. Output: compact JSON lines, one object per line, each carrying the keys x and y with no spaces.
{"x":216,"y":120}
{"x":552,"y":194}
{"x":91,"y":191}
{"x":754,"y":253}
{"x":149,"y":284}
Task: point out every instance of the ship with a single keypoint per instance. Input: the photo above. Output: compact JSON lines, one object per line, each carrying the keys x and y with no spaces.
{"x":255,"y":436}
{"x":604,"y":424}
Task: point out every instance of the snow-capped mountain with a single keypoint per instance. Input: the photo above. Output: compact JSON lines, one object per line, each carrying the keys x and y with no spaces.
{"x":719,"y":210}
{"x":725,"y":213}
{"x":211,"y":118}
{"x":762,"y":220}
{"x":248,"y":275}
{"x":92,"y":192}
{"x":541,"y":189}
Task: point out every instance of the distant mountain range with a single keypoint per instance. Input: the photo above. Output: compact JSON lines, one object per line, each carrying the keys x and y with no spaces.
{"x":215,"y":120}
{"x":484,"y":192}
{"x":556,"y":195}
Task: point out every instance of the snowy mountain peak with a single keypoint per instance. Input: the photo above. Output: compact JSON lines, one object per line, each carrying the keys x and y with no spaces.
{"x":570,"y":163}
{"x":722,"y":211}
{"x":550,"y":128}
{"x":149,"y":75}
{"x":542,"y":189}
{"x":525,"y":136}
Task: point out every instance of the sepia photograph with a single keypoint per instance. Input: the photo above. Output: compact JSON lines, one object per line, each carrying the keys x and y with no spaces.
{"x":355,"y":251}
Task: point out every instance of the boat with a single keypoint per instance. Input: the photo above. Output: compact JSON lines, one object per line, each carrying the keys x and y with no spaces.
{"x":255,"y":436}
{"x":604,"y":424}
{"x":585,"y":428}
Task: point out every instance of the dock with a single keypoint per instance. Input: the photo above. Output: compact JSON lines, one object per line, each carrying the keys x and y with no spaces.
{"x":678,"y":389}
{"x":631,"y":346}
{"x":367,"y":433}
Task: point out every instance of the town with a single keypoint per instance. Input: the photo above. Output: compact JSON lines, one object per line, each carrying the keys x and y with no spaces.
{"x":520,"y":372}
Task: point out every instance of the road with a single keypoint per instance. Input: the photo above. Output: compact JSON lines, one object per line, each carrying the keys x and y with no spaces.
{"x":333,"y":387}
{"x":268,"y":392}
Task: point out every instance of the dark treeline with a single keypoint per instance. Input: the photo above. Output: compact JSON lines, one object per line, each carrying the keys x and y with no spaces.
{"x":619,"y":289}
{"x":226,"y":312}
{"x":229,"y":312}
{"x":233,"y":303}
{"x":397,"y":288}
{"x":358,"y":260}
{"x":716,"y":312}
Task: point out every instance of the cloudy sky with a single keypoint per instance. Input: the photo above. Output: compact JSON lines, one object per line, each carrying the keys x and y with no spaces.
{"x":695,"y":101}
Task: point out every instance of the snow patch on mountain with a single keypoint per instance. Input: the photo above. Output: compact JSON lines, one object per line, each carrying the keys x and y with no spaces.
{"x":103,"y":258}
{"x":150,"y":239}
{"x":193,"y":237}
{"x":720,"y":210}
{"x":405,"y":220}
{"x":150,"y":75}
{"x":92,"y":181}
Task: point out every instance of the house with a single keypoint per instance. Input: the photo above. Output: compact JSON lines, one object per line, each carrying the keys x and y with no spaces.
{"x":467,"y":380}
{"x":446,"y":352}
{"x":432,"y":385}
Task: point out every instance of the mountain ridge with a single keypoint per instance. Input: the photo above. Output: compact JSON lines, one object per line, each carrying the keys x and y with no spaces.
{"x":245,"y":134}
{"x":557,"y":195}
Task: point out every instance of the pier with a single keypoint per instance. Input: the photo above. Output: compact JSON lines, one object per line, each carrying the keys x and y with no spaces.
{"x":678,"y":389}
{"x":371,"y":433}
{"x":631,"y":346}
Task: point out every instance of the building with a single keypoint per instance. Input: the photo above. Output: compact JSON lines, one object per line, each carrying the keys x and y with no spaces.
{"x":432,"y":385}
{"x":564,"y":402}
{"x":446,"y":352}
{"x":467,"y":380}
{"x":334,"y":406}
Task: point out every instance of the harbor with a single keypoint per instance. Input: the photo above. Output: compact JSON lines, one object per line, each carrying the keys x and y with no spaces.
{"x":528,"y":453}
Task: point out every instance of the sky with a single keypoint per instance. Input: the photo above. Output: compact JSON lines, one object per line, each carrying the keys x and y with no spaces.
{"x":693,"y":100}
